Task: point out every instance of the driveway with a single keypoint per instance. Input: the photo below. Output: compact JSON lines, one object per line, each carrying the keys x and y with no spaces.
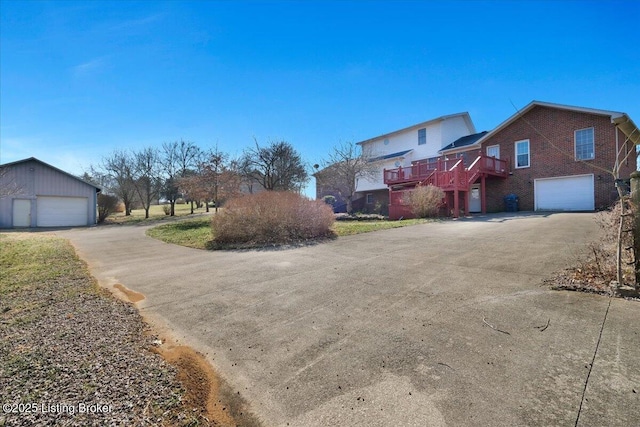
{"x":431,"y":325}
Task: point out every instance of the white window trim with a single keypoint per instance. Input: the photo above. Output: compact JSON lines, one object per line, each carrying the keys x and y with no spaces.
{"x":367,"y":199}
{"x":493,"y":146}
{"x":575,"y":144}
{"x":515,"y":148}
{"x":425,"y":136}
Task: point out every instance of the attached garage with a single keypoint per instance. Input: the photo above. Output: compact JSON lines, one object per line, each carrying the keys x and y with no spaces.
{"x":568,"y":193}
{"x":44,"y":196}
{"x":55,"y":211}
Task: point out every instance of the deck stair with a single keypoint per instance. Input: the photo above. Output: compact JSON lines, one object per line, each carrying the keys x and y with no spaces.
{"x":450,"y":175}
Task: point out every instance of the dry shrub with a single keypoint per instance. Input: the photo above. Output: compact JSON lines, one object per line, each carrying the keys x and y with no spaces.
{"x":604,"y":251}
{"x":272,"y":217}
{"x":107,"y":205}
{"x":425,"y":200}
{"x":597,"y":270}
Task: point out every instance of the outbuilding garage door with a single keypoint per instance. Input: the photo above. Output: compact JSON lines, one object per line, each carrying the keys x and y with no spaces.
{"x":571,"y":193}
{"x":62,"y":211}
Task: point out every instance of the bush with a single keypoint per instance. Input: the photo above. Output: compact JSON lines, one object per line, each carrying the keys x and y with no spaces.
{"x":272,"y":217}
{"x":425,"y":200}
{"x":330,"y":200}
{"x":166,"y":209}
{"x":106,"y":206}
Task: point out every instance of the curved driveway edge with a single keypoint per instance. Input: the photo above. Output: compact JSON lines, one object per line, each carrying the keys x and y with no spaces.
{"x":435,"y":324}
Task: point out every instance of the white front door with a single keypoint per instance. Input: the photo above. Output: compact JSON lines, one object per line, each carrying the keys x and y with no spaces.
{"x":21,"y":213}
{"x":475,"y":203}
{"x":494,"y":151}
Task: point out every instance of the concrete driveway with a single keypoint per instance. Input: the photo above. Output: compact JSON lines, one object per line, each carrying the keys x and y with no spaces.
{"x":392,"y":328}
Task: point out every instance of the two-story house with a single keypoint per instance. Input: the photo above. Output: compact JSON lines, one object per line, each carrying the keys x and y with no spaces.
{"x":552,"y":157}
{"x":403,"y":148}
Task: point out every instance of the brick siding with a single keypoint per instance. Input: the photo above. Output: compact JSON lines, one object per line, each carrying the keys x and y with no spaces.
{"x":553,"y":156}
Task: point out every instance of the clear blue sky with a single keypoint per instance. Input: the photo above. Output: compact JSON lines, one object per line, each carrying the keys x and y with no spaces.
{"x":80,"y":79}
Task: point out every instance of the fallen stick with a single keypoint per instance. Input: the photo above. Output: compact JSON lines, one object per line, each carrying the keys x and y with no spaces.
{"x":493,"y":327}
{"x":543,"y":328}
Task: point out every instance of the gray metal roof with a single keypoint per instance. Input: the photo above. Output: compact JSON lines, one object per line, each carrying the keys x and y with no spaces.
{"x":33,"y":159}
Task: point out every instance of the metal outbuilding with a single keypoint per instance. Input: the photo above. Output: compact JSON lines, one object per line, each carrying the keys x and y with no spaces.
{"x":36,"y":194}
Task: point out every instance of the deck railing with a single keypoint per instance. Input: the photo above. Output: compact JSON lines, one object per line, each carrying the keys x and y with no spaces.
{"x":439,"y":172}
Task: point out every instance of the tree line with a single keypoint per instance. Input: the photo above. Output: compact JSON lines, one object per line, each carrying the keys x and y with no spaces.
{"x":183,"y":170}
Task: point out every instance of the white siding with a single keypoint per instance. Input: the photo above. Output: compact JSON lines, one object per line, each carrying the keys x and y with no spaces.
{"x":439,"y":134}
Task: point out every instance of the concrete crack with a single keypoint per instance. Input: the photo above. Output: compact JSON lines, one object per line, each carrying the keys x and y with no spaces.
{"x":593,"y":359}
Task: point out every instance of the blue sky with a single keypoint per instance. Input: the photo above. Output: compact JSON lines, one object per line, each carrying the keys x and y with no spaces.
{"x":80,"y":79}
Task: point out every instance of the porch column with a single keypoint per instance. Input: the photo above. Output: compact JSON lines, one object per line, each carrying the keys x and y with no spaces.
{"x":456,"y":203}
{"x":483,"y":200}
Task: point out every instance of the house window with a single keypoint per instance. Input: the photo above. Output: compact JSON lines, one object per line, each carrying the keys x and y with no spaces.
{"x":584,"y":144}
{"x":422,"y":136}
{"x":522,"y":154}
{"x":369,"y":199}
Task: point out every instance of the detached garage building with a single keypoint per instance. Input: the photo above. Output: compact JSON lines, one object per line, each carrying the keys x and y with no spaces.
{"x":36,"y":194}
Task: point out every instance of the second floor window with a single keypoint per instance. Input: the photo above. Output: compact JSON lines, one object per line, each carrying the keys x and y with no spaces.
{"x":584,"y":144}
{"x":522,"y":154}
{"x":422,"y":136}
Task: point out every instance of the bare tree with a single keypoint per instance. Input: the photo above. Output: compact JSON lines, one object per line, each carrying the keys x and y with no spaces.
{"x":8,"y":184}
{"x":177,"y":158}
{"x":146,"y":176}
{"x":275,"y":167}
{"x":342,"y":169}
{"x":120,"y":166}
{"x":220,"y":178}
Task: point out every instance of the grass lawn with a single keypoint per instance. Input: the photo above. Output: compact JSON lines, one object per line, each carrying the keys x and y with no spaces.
{"x":196,"y":233}
{"x":65,"y":340}
{"x":156,"y":213}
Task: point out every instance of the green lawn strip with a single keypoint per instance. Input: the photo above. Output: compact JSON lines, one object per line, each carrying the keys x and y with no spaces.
{"x":196,"y":233}
{"x":30,"y":261}
{"x":156,"y":213}
{"x":193,"y":233}
{"x":348,"y":228}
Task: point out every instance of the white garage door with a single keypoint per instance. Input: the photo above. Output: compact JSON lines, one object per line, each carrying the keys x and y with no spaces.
{"x":61,"y":211}
{"x":571,"y":193}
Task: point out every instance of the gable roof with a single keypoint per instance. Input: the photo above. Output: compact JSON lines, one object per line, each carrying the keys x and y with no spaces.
{"x":620,"y":119}
{"x":33,"y":159}
{"x":465,"y":115}
{"x":464,"y":141}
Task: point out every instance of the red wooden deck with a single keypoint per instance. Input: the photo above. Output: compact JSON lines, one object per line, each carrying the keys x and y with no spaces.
{"x":450,"y":175}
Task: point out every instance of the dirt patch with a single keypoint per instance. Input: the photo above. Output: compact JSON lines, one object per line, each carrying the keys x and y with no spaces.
{"x":132,"y":296}
{"x":200,"y":382}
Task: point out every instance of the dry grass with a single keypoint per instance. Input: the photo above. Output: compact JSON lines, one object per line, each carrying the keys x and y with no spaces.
{"x":64,"y":340}
{"x":596,"y":272}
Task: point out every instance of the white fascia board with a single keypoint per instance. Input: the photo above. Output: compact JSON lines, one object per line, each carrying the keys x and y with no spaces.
{"x":465,"y":115}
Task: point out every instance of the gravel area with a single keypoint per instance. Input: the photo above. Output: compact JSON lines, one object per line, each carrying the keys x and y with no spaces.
{"x":73,"y":355}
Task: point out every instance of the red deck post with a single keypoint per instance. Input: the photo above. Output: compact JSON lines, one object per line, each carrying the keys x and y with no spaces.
{"x":483,"y":200}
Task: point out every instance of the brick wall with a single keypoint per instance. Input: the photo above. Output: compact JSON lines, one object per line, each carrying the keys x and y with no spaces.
{"x":553,"y":155}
